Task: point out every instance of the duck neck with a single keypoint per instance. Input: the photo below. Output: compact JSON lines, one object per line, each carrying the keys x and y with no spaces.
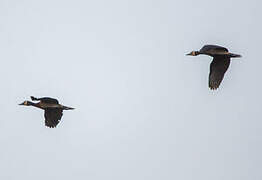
{"x":33,"y":104}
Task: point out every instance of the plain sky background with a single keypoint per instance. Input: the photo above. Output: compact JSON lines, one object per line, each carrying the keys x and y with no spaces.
{"x":143,"y":109}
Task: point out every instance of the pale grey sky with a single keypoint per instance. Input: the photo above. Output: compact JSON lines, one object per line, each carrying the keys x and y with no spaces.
{"x":143,"y":109}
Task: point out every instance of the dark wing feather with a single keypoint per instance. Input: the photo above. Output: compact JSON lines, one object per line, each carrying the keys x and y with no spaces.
{"x":218,"y":67}
{"x":49,"y":100}
{"x":213,"y":49}
{"x":53,"y":116}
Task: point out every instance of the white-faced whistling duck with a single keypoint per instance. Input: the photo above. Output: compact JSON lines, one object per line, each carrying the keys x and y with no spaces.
{"x":53,"y":110}
{"x":219,"y":65}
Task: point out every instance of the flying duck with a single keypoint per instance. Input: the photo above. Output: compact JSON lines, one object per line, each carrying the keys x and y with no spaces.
{"x":219,"y":65}
{"x":53,"y":110}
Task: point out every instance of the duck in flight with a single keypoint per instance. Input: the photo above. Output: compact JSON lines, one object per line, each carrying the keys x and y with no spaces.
{"x":53,"y":110}
{"x":219,"y":65}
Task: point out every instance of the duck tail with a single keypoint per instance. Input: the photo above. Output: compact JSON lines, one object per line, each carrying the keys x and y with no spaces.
{"x":67,"y":108}
{"x":235,"y":55}
{"x":34,"y":98}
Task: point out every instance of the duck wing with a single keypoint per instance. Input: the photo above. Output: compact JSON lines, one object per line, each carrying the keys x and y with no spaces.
{"x":53,"y":116}
{"x":46,"y":100}
{"x":218,"y":68}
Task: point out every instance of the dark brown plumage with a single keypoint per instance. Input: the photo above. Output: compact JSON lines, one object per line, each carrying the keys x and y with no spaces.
{"x":219,"y":65}
{"x":53,"y":116}
{"x":53,"y":110}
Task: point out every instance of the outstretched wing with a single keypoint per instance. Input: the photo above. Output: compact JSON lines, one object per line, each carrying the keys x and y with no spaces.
{"x":213,"y":50}
{"x":53,"y":116}
{"x":46,"y":100}
{"x":218,"y":67}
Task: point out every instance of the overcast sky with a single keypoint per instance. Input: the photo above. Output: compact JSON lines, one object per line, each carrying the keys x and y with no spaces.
{"x":143,"y":109}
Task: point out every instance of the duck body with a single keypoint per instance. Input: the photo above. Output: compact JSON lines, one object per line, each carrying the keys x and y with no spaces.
{"x":53,"y":110}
